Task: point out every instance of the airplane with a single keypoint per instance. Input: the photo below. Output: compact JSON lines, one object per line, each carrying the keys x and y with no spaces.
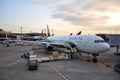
{"x":89,"y":44}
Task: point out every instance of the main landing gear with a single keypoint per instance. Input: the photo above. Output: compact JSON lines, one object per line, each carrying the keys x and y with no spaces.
{"x":94,"y":58}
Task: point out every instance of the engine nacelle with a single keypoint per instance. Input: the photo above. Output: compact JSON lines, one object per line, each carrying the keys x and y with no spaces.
{"x":48,"y":47}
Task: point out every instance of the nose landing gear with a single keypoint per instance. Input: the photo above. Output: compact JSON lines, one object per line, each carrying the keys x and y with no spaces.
{"x":94,"y":58}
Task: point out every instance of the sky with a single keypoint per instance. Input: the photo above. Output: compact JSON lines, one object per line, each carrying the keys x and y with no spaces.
{"x":62,"y":16}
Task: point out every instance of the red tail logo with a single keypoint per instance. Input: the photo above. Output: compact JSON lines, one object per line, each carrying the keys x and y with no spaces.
{"x":71,"y":34}
{"x":79,"y":33}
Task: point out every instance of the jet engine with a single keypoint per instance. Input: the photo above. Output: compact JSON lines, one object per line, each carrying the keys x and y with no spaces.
{"x":48,"y":47}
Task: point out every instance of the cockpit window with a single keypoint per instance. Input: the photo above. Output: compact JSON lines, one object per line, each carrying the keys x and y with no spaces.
{"x":99,"y":41}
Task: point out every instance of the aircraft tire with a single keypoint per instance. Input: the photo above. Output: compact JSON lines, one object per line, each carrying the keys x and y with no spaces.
{"x":94,"y":60}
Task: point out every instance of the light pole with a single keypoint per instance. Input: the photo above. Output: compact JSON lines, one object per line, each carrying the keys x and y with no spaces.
{"x":21,"y":29}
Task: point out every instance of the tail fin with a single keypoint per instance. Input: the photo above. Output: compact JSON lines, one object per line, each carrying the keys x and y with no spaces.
{"x":42,"y":33}
{"x":52,"y":33}
{"x":79,"y":33}
{"x":48,"y":31}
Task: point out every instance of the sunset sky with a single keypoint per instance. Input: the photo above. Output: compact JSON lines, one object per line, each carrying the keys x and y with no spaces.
{"x":63,"y":16}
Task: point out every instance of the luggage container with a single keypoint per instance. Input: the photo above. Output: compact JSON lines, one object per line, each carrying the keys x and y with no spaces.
{"x":32,"y":62}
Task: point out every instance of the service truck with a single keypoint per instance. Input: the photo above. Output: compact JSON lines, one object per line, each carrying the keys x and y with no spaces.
{"x":32,"y":62}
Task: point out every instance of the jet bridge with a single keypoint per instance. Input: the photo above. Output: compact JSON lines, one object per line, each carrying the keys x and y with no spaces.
{"x":113,"y":40}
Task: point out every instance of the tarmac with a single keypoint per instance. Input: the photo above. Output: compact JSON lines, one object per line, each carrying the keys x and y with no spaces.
{"x":13,"y":67}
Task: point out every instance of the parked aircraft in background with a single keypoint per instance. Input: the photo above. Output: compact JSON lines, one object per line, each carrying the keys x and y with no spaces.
{"x":32,"y":38}
{"x":42,"y":36}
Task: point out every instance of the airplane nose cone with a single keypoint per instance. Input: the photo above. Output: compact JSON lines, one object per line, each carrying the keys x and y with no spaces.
{"x":106,"y":47}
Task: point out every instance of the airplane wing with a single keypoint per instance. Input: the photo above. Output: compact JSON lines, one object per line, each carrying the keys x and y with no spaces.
{"x":59,"y":44}
{"x":63,"y":44}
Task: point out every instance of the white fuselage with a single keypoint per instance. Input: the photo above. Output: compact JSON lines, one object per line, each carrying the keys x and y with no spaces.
{"x":83,"y":43}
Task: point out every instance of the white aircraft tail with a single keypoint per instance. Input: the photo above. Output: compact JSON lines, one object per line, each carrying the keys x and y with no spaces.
{"x":48,"y":31}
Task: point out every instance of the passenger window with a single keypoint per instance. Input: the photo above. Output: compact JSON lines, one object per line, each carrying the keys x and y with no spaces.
{"x":99,"y":41}
{"x":96,"y":41}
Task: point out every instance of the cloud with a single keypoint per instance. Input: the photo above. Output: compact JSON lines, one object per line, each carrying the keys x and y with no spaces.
{"x":94,"y":14}
{"x":102,"y":5}
{"x":90,"y":13}
{"x":82,"y":19}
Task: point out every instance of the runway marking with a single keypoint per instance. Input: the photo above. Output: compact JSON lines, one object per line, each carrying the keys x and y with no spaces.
{"x":59,"y":72}
{"x":14,"y":62}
